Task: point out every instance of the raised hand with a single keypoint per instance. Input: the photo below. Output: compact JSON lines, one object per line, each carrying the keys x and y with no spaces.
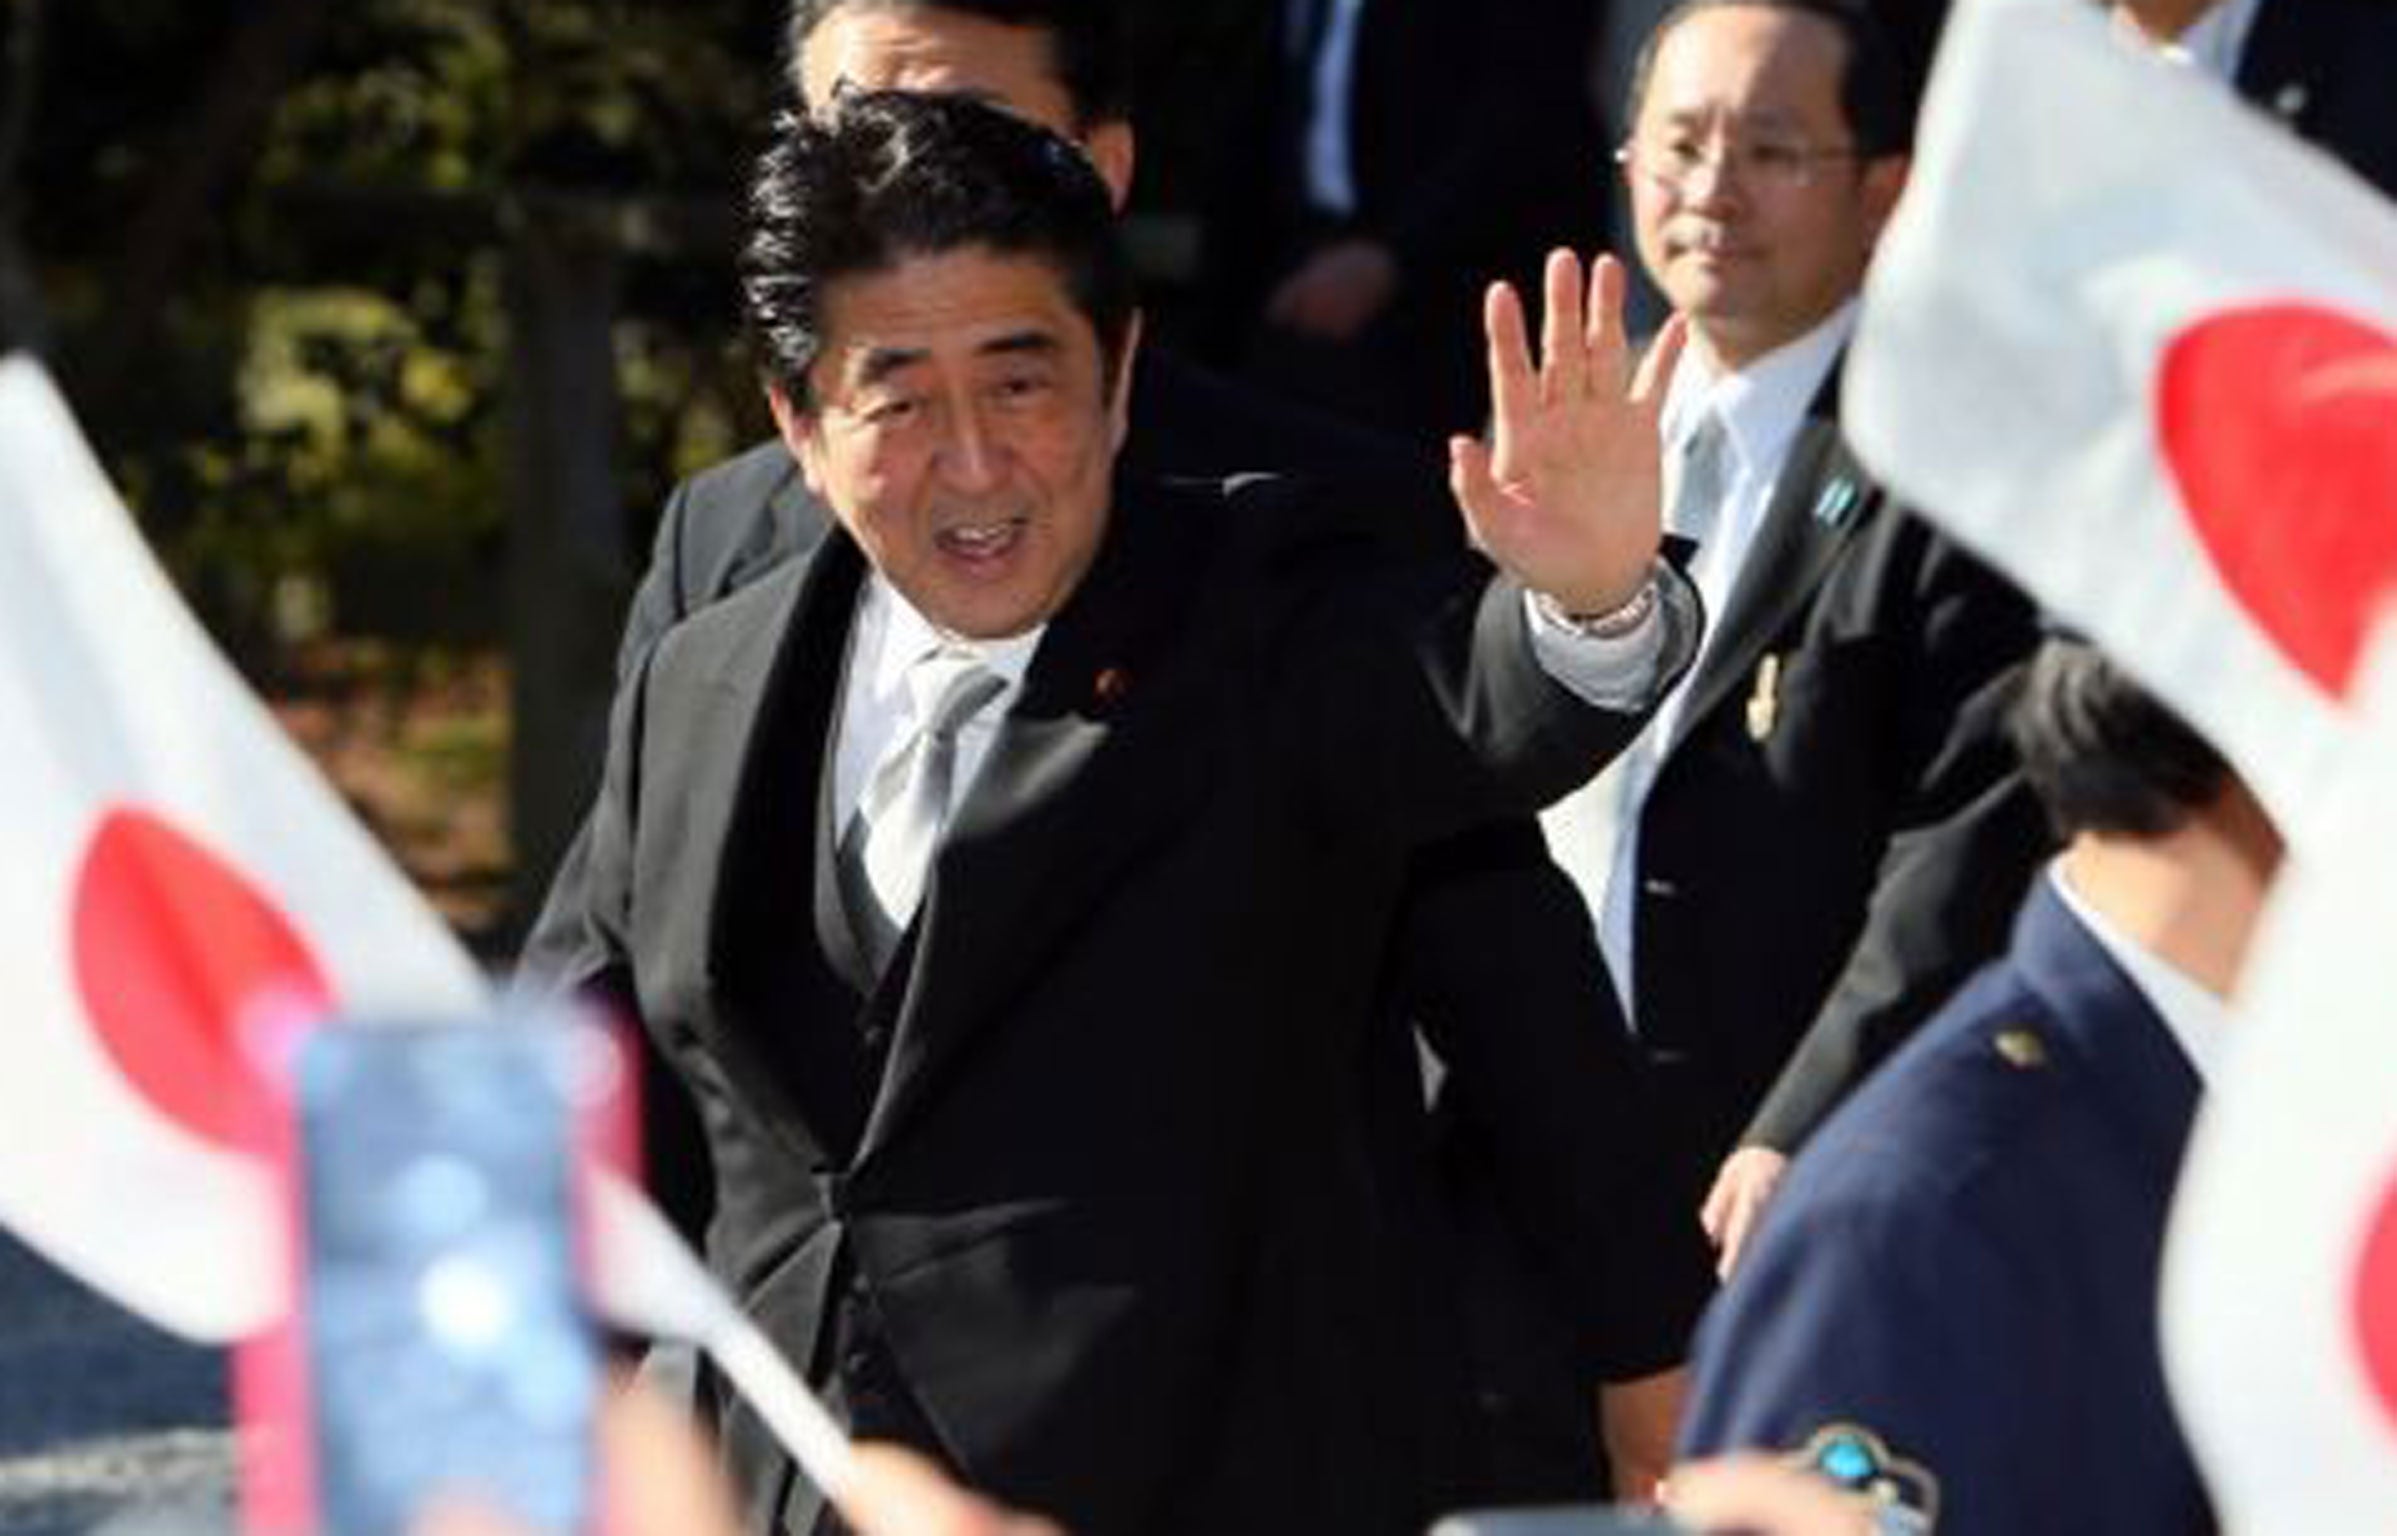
{"x":1566,"y":493}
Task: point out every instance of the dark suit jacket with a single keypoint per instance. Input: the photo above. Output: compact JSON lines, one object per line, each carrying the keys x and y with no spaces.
{"x":2326,"y":67}
{"x":1964,"y":1263}
{"x":1838,"y":830}
{"x":1489,"y":953}
{"x":1114,"y":1200}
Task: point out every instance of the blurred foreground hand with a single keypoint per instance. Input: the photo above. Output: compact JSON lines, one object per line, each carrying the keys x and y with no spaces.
{"x":661,"y":1481}
{"x":1764,"y":1496}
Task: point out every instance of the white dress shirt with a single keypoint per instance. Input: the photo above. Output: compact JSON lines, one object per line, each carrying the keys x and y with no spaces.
{"x":2216,"y":40}
{"x":890,"y":635}
{"x":2197,"y":1019}
{"x":877,"y":708}
{"x":1593,"y":833}
{"x":1331,"y":173}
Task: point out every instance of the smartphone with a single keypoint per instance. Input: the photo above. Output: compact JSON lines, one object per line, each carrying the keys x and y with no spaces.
{"x":1562,"y":1520}
{"x":441,"y":1344}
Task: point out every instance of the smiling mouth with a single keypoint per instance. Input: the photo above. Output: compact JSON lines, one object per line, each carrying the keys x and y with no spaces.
{"x":978,"y":543}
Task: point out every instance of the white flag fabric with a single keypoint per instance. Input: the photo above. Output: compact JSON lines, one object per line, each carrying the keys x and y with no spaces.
{"x":176,"y":875}
{"x":2280,"y":1315}
{"x":173,"y":866}
{"x":2138,"y":346}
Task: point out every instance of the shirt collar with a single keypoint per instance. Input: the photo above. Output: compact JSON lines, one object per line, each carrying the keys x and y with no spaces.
{"x":1762,"y":405}
{"x":2215,"y":40}
{"x":896,"y":635}
{"x":2196,"y":1018}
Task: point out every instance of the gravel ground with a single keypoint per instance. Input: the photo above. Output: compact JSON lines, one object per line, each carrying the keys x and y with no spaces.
{"x":106,"y":1424}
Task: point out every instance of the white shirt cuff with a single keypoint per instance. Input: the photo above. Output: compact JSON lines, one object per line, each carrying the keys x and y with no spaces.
{"x":1628,"y":671}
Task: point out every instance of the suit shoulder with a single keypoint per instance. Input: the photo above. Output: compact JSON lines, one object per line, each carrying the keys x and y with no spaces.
{"x":751,"y":478}
{"x":700,"y":644}
{"x":1984,"y":1092}
{"x":731,"y":523}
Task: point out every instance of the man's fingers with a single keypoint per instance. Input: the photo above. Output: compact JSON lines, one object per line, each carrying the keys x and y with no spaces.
{"x":1475,"y":489}
{"x":1602,"y":328}
{"x":1736,"y":1227}
{"x":1513,"y":390}
{"x":1564,"y":358}
{"x":1655,"y":376}
{"x":1715,"y":1214}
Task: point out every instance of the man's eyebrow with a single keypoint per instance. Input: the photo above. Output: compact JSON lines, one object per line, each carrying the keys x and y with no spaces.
{"x":1769,"y":118}
{"x":880,"y":363}
{"x":1014,"y":342}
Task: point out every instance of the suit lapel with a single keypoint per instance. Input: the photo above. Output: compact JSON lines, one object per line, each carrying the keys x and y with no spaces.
{"x":1819,"y":501}
{"x":2112,"y":1028}
{"x":836,"y":925}
{"x":776,"y":696}
{"x":2279,"y":68}
{"x":1080,"y":781}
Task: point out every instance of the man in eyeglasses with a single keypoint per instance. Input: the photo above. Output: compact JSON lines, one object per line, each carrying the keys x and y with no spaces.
{"x":1823,"y":831}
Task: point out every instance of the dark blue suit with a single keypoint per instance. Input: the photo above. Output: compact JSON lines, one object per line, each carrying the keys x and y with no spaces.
{"x":1956,"y":1289}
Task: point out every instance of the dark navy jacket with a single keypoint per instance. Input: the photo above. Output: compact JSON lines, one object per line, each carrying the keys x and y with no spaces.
{"x":1955,"y":1291}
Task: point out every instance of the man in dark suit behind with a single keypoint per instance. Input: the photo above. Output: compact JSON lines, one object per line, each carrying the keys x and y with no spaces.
{"x":1008,"y":877}
{"x":2322,"y":67}
{"x":1955,"y":1299}
{"x":1486,"y":954}
{"x":1392,"y":156}
{"x":1824,"y":831}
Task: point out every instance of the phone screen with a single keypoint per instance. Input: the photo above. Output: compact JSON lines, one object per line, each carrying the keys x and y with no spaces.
{"x":448,"y":1349}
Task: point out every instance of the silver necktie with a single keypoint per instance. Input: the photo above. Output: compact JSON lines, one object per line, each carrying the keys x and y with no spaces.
{"x":886,"y":852}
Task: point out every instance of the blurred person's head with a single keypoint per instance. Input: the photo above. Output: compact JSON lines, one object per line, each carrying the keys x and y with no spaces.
{"x":1768,"y":147}
{"x":1060,"y":63}
{"x":2159,"y":828}
{"x":945,"y":318}
{"x":2103,"y":754}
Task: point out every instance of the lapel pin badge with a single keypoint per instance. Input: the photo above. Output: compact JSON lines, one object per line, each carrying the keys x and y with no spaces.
{"x":1111,"y":685}
{"x":1764,"y":701}
{"x":1838,"y":502}
{"x":2288,"y":103}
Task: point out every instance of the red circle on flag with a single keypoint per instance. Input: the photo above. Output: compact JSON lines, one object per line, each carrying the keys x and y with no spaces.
{"x":173,"y":951}
{"x":2276,"y":422}
{"x":2376,"y":1303}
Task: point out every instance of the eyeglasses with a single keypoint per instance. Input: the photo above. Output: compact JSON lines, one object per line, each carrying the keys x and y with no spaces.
{"x":1769,"y":165}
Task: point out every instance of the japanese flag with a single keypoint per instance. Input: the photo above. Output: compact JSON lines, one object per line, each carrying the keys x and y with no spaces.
{"x":174,"y":870}
{"x":2138,"y":345}
{"x":2280,"y":1315}
{"x":176,"y":873}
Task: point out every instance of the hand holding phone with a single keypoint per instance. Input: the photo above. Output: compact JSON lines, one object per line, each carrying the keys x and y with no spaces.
{"x":441,"y":1344}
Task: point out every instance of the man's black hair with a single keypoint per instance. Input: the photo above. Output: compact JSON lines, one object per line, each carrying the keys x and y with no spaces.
{"x":897,"y":174}
{"x":2103,"y":754}
{"x":1874,"y":94}
{"x":1086,"y":40}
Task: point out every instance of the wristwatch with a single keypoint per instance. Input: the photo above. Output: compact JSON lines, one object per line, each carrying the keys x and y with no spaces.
{"x":1618,"y":621}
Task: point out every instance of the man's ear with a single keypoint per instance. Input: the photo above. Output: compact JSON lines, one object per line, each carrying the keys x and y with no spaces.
{"x":1110,"y":148}
{"x":797,"y":429}
{"x":1884,"y":184}
{"x":1119,"y":408}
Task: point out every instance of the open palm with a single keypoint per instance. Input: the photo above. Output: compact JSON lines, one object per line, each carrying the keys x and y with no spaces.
{"x":1565,"y":494}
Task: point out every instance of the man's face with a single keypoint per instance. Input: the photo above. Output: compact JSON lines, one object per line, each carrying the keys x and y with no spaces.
{"x":1755,"y":259}
{"x":964,"y":431}
{"x":925,"y":48}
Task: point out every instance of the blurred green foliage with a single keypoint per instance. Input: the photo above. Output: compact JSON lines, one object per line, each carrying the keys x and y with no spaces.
{"x":269,"y":240}
{"x":310,"y":381}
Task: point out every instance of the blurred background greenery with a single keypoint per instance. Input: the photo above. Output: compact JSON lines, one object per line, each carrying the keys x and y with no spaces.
{"x":395,"y":320}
